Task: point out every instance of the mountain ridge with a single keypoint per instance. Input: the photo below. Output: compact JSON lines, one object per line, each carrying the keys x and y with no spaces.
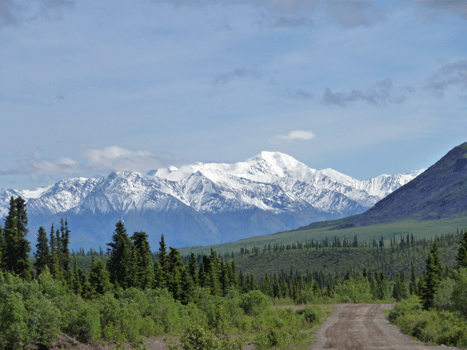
{"x":205,"y":203}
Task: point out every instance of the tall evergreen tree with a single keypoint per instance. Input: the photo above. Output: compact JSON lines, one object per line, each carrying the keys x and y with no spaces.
{"x":434,"y":274}
{"x":121,"y":263}
{"x":175,"y":270}
{"x":158,"y":278}
{"x":193,"y":269}
{"x":16,"y":247}
{"x":54,"y":261}
{"x":64,"y":250}
{"x":163,"y":261}
{"x":413,"y":281}
{"x":188,"y":287}
{"x":99,"y":278}
{"x":77,"y":288}
{"x":143,"y":268}
{"x":462,"y":252}
{"x":42,"y":254}
{"x":213,"y":273}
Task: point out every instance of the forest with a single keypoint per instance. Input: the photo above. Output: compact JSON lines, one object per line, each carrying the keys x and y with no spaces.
{"x":128,"y":293}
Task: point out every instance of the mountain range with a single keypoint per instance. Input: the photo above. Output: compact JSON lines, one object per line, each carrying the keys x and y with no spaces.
{"x":439,"y":192}
{"x":203,"y":203}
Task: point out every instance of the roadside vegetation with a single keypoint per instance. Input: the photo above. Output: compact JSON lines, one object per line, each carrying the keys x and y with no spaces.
{"x":128,"y":292}
{"x":436,"y":312}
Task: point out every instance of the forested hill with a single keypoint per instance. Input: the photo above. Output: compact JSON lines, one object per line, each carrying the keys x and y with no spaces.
{"x":439,"y":192}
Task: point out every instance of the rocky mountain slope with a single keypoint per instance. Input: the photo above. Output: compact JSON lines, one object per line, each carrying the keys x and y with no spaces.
{"x":203,"y":203}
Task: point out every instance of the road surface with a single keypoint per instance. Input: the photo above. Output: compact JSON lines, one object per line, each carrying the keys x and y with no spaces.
{"x":363,"y":327}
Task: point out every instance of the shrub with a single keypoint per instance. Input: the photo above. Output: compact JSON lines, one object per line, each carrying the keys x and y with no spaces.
{"x":309,"y":314}
{"x":273,"y":338}
{"x":459,"y":293}
{"x":442,"y":298}
{"x":254,"y":303}
{"x":83,"y":322}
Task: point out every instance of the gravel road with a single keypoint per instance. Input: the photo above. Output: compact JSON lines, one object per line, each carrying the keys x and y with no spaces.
{"x":364,"y":326}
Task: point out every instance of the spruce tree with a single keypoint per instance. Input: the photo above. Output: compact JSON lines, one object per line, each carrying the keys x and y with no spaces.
{"x":413,"y":281}
{"x":17,"y":248}
{"x":77,"y":288}
{"x":54,"y":261}
{"x":163,"y":261}
{"x":213,"y":273}
{"x":188,"y":287}
{"x":193,"y":269}
{"x":175,"y":272}
{"x":121,"y":263}
{"x":158,"y":279}
{"x":143,"y":268}
{"x":42,"y":254}
{"x":462,"y":252}
{"x":431,"y":283}
{"x":99,"y":278}
{"x":64,"y":250}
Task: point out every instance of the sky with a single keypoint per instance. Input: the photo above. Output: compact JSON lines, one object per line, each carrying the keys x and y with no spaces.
{"x":362,"y":87}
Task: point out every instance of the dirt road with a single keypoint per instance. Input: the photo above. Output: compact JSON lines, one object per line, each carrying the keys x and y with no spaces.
{"x":363,"y":326}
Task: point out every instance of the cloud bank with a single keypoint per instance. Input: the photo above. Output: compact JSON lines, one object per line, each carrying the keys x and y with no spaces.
{"x":13,"y":12}
{"x":377,"y":94}
{"x":103,"y":160}
{"x":451,"y":74}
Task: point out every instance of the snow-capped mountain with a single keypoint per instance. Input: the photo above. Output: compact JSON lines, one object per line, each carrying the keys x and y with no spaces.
{"x":204,"y":203}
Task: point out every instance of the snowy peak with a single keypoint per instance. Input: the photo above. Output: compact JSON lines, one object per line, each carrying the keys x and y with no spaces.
{"x":270,"y":181}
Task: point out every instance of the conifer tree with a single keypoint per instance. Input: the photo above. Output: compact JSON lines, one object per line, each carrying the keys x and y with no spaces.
{"x":188,"y":287}
{"x":17,"y":248}
{"x":413,"y":281}
{"x":175,"y":272}
{"x":193,"y":269}
{"x":163,"y":261}
{"x":64,"y":250}
{"x":54,"y":262}
{"x":462,"y":252}
{"x":143,"y":268}
{"x":224,"y":278}
{"x":77,"y":288}
{"x":202,"y":273}
{"x":42,"y":254}
{"x":121,"y":263}
{"x":213,"y":273}
{"x":99,"y":278}
{"x":434,"y":274}
{"x":158,"y":278}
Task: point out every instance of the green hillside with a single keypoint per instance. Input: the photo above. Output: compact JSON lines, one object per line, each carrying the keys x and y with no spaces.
{"x":319,"y":231}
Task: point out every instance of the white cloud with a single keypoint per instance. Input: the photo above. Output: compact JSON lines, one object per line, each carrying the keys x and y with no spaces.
{"x":115,"y":158}
{"x":294,"y":135}
{"x":100,"y":160}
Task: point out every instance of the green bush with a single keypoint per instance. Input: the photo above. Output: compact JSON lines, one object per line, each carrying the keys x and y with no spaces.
{"x":83,"y":321}
{"x":459,"y":293}
{"x":274,"y":337}
{"x":26,"y":316}
{"x":442,"y":298}
{"x":309,"y":314}
{"x":14,"y":330}
{"x":254,"y":303}
{"x":163,"y":310}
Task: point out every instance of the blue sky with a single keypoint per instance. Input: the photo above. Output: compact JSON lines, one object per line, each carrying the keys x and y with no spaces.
{"x":363,"y":87}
